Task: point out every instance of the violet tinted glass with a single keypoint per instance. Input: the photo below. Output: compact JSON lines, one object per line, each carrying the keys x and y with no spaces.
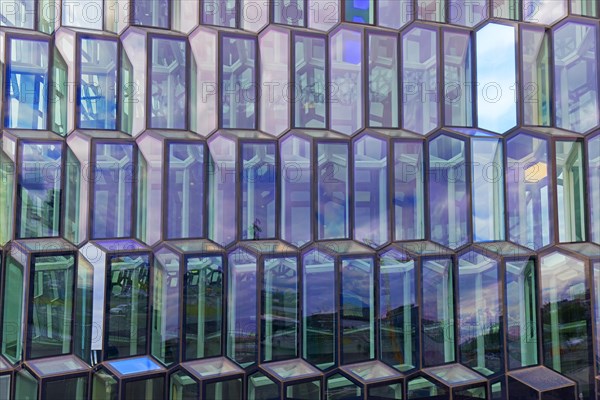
{"x":309,"y":85}
{"x":332,"y":191}
{"x":151,"y":13}
{"x":239,"y":86}
{"x":222,"y":180}
{"x":383,"y":78}
{"x":409,"y":197}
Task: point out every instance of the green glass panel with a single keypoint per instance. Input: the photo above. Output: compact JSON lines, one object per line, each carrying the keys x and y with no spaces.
{"x":104,"y":386}
{"x":593,"y":173}
{"x":183,"y":387}
{"x":5,"y":385}
{"x":584,"y":7}
{"x":82,"y":337}
{"x":229,"y":389}
{"x":67,"y":388}
{"x":26,"y":387}
{"x":165,"y":308}
{"x":128,"y":93}
{"x":47,"y":14}
{"x":7,"y":182}
{"x":468,"y":394}
{"x":72,"y":198}
{"x":391,"y":392}
{"x":12,"y":332}
{"x":535,"y":70}
{"x":304,"y":391}
{"x":507,"y":9}
{"x":147,"y":389}
{"x":570,"y":191}
{"x":421,"y":388}
{"x":260,"y":387}
{"x":51,"y":305}
{"x":59,"y":87}
{"x":341,"y":388}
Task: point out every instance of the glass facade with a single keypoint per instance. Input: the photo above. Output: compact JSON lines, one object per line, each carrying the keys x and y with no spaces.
{"x":300,"y":199}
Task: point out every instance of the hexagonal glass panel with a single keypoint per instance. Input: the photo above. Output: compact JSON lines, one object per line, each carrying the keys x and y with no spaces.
{"x":409,"y":191}
{"x":82,"y":13}
{"x":219,"y":12}
{"x":467,"y":12}
{"x":309,"y":81}
{"x":18,"y":14}
{"x":151,"y":13}
{"x":570,"y":191}
{"x":275,"y":80}
{"x":458,"y":96}
{"x":341,"y":388}
{"x":383,"y":88}
{"x":289,"y":12}
{"x":333,"y":204}
{"x":535,"y":71}
{"x":422,"y":388}
{"x":261,"y":387}
{"x":222,"y":181}
{"x":359,"y":11}
{"x":544,"y":12}
{"x":593,"y":188}
{"x":394,"y":14}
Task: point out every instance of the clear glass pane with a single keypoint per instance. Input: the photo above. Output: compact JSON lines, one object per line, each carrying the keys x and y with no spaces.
{"x":238,"y":83}
{"x":82,"y":13}
{"x":421,"y":388}
{"x":319,"y":310}
{"x":535,"y":70}
{"x":309,"y":84}
{"x":147,"y":389}
{"x":333,"y":206}
{"x":345,"y":82}
{"x":66,"y":388}
{"x":357,"y":311}
{"x":151,"y":13}
{"x":507,"y":9}
{"x":341,"y":388}
{"x":480,"y":314}
{"x":83,"y":330}
{"x":51,"y":298}
{"x":431,"y":10}
{"x":593,"y":151}
{"x":371,"y":191}
{"x":437,"y":312}
{"x":112,"y":190}
{"x":448,"y":194}
{"x":528,"y":191}
{"x":570,"y":191}
{"x":241,"y":311}
{"x":296,"y":185}
{"x":222,"y":181}
{"x":289,"y":12}
{"x":467,"y":12}
{"x":13,"y":310}
{"x":39,"y":195}
{"x":487,"y":189}
{"x":409,"y":196}
{"x":261,"y":387}
{"x":185,"y":188}
{"x":259,"y":190}
{"x":183,"y":387}
{"x":398,"y":311}
{"x":566,"y":312}
{"x":280,"y":309}
{"x":394,"y":13}
{"x":98,"y":88}
{"x":26,"y":96}
{"x":127,"y":294}
{"x":496,"y":105}
{"x":544,"y":12}
{"x":26,"y":386}
{"x":576,"y":77}
{"x":458,"y":76}
{"x":219,"y":12}
{"x":275,"y":93}
{"x":168,"y":97}
{"x":584,"y":7}
{"x":521,"y":314}
{"x":384,"y":99}
{"x":60,"y":93}
{"x":18,"y":14}
{"x":203,"y":299}
{"x":420,"y":76}
{"x":7,"y":187}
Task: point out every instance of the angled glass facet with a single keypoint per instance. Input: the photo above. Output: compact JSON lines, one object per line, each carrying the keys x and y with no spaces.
{"x":409,"y":190}
{"x":576,"y":92}
{"x":345,"y":81}
{"x":593,"y":150}
{"x":371,"y":191}
{"x":359,"y":11}
{"x":431,"y":10}
{"x":222,"y":180}
{"x":584,"y":7}
{"x":309,"y":85}
{"x":528,"y":191}
{"x":496,"y":105}
{"x":535,"y":70}
{"x":168,"y":76}
{"x":319,"y":342}
{"x":203,"y":97}
{"x":98,"y":84}
{"x":506,"y":9}
{"x":275,"y":104}
{"x":383,"y":78}
{"x":333,"y":204}
{"x":13,"y":310}
{"x":339,"y":388}
{"x":448,"y":193}
{"x":238,"y":83}
{"x":260,"y":386}
{"x":544,"y":12}
{"x":419,"y":77}
{"x":570,"y":191}
{"x":422,"y":388}
{"x":458,"y":76}
{"x":26,"y":94}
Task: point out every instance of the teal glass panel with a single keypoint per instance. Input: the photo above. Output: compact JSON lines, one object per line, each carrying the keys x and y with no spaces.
{"x":72,"y":200}
{"x":260,"y":387}
{"x":341,"y":388}
{"x":26,"y":386}
{"x":168,"y":97}
{"x":593,"y":172}
{"x":165,"y":308}
{"x":384,"y":101}
{"x":458,"y":76}
{"x":437,"y":312}
{"x":359,"y":11}
{"x":398,"y":311}
{"x":480,"y":314}
{"x":26,"y":84}
{"x":242,"y":293}
{"x":280,"y":309}
{"x":421,"y":388}
{"x":570,"y":191}
{"x":259,"y":193}
{"x":147,"y":389}
{"x":59,"y":91}
{"x":319,"y":342}
{"x":496,"y":106}
{"x":535,"y":70}
{"x":127,"y":294}
{"x":51,"y":299}
{"x":40,"y":177}
{"x":357,"y":310}
{"x":98,"y":84}
{"x":112,"y":189}
{"x":7,"y":188}
{"x":183,"y":387}
{"x":448,"y":193}
{"x":309,"y":84}
{"x":83,"y":329}
{"x":521,"y":314}
{"x":203,"y":300}
{"x":238,"y":83}
{"x":487,"y":189}
{"x":227,"y":389}
{"x":289,"y":12}
{"x":333,"y":205}
{"x":566,"y":318}
{"x":13,"y":310}
{"x":409,"y":191}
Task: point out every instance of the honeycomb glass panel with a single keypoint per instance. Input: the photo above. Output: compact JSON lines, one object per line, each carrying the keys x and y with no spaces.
{"x":506,"y":9}
{"x":26,"y":93}
{"x":289,"y":12}
{"x":222,"y":180}
{"x":275,"y":86}
{"x":431,"y":10}
{"x":421,"y":388}
{"x":13,"y":310}
{"x":420,"y":76}
{"x":98,"y":84}
{"x":535,"y":70}
{"x":371,"y":191}
{"x":409,"y":191}
{"x":82,"y":13}
{"x":18,"y":14}
{"x":544,"y":12}
{"x":584,"y":7}
{"x":359,"y":11}
{"x":261,"y":387}
{"x":168,"y":93}
{"x":576,"y":77}
{"x":148,"y":389}
{"x":227,"y":389}
{"x":593,"y":172}
{"x":570,"y":191}
{"x":394,"y":14}
{"x":309,"y":85}
{"x":219,"y":12}
{"x":26,"y":386}
{"x":150,"y":13}
{"x":458,"y":96}
{"x":183,"y":387}
{"x":104,"y":386}
{"x":333,"y":204}
{"x":383,"y":77}
{"x":467,"y":12}
{"x":319,"y":310}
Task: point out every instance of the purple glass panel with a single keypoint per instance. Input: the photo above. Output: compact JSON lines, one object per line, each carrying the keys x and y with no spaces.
{"x":333,"y":206}
{"x":222,"y":180}
{"x":409,"y":197}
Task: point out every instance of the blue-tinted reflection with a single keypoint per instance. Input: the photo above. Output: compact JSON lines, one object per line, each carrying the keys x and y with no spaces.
{"x":332,"y":191}
{"x":258,"y":191}
{"x":219,"y":12}
{"x":98,"y":87}
{"x":289,"y":12}
{"x":296,"y":178}
{"x":26,"y":87}
{"x":238,"y":69}
{"x":496,"y":105}
{"x":222,"y":180}
{"x":17,"y":13}
{"x":409,"y":197}
{"x":151,"y":13}
{"x":309,"y":85}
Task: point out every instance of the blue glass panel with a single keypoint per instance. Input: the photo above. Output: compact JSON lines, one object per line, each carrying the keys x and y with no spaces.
{"x":239,"y":90}
{"x":112,"y":189}
{"x":296,"y":178}
{"x":258,"y":191}
{"x":309,"y":84}
{"x":152,"y":13}
{"x":409,"y":191}
{"x":168,"y":97}
{"x":222,"y":181}
{"x":136,"y":365}
{"x":333,"y":204}
{"x":360,"y":11}
{"x":384,"y":101}
{"x":26,"y":90}
{"x":185,"y":191}
{"x":98,"y":87}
